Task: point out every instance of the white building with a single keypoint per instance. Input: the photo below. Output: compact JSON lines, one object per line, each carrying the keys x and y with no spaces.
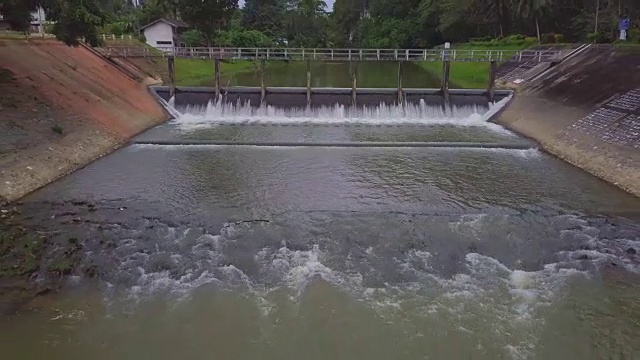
{"x":164,"y":33}
{"x":38,"y":20}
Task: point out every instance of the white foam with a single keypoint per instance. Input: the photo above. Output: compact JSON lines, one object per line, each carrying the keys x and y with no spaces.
{"x":483,"y":288}
{"x":197,"y":117}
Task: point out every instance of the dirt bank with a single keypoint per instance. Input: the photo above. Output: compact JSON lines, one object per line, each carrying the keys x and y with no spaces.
{"x":62,"y":107}
{"x":586,"y":111}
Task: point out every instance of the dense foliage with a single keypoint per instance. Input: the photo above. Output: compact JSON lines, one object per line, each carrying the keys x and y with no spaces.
{"x":351,"y":23}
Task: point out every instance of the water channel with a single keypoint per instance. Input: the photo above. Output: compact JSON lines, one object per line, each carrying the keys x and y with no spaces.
{"x":258,"y":252}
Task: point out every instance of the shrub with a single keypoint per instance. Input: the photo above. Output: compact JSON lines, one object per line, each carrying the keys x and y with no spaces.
{"x":548,"y":38}
{"x":115,"y":28}
{"x":244,"y":38}
{"x":57,"y":129}
{"x":192,"y":38}
{"x":597,"y":38}
{"x":516,"y":37}
{"x":531,"y":40}
{"x":634,"y":36}
{"x":559,"y":38}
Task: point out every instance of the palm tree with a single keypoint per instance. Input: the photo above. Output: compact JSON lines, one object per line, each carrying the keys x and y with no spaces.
{"x":527,"y":8}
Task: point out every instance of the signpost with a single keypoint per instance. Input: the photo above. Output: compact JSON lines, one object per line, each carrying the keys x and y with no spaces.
{"x":624,"y":25}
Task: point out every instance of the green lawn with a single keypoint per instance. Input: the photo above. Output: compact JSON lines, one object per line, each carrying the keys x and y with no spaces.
{"x":470,"y":75}
{"x":196,"y":72}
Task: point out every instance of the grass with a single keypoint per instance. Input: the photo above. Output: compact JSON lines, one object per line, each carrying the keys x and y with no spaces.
{"x":627,"y":47}
{"x":470,"y":75}
{"x":196,"y":72}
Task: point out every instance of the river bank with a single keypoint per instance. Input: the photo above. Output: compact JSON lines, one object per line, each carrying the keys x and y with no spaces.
{"x":586,"y":111}
{"x":62,"y":108}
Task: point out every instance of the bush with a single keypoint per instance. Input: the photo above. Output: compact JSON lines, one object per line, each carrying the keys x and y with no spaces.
{"x":57,"y":129}
{"x":548,"y":38}
{"x":531,"y":40}
{"x":597,"y":38}
{"x":116,"y":28}
{"x":559,"y":38}
{"x":634,"y":36}
{"x":192,"y":38}
{"x":244,"y":38}
{"x":516,"y":38}
{"x":48,"y":28}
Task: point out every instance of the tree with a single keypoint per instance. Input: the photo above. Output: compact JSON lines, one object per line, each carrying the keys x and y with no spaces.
{"x":207,"y":16}
{"x":346,"y":16}
{"x":76,"y":20}
{"x":266,"y":16}
{"x":528,"y":8}
{"x":17,"y":13}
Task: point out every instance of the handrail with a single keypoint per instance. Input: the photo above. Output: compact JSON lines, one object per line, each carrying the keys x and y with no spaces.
{"x":337,"y":54}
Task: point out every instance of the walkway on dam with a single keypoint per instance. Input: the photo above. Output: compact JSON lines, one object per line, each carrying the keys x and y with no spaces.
{"x":337,"y":54}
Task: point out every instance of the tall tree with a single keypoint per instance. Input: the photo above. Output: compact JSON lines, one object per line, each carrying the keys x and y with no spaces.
{"x":76,"y":20}
{"x":347,"y":15}
{"x":266,"y":16}
{"x":18,"y":13}
{"x":207,"y":16}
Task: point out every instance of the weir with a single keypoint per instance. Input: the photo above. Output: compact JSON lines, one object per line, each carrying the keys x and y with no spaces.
{"x":308,"y":97}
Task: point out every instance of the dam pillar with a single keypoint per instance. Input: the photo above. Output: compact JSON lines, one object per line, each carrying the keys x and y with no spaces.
{"x":493,"y":68}
{"x":354,"y":82}
{"x":308,"y":83}
{"x":400,"y":91}
{"x":263,"y":87}
{"x":444,"y":86}
{"x":172,"y":76}
{"x":216,"y":80}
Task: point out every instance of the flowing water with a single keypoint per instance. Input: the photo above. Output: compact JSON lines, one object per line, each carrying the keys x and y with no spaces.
{"x":262,"y":252}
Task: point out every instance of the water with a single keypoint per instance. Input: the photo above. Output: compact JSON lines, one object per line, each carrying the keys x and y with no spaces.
{"x":243,"y":252}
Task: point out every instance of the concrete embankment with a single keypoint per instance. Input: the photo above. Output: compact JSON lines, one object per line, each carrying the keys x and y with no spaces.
{"x":586,"y":110}
{"x":62,"y":107}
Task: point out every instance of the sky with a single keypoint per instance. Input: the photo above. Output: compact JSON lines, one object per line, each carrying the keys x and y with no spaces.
{"x":329,"y":4}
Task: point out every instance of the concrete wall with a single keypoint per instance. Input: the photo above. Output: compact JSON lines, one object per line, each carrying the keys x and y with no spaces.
{"x":297,"y":97}
{"x":63,"y":107}
{"x":586,"y":111}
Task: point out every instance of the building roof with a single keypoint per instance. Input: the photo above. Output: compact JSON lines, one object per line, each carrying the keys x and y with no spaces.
{"x":173,"y":22}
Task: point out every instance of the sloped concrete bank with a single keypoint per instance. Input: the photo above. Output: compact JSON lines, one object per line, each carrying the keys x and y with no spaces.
{"x":63,"y":107}
{"x":586,"y":111}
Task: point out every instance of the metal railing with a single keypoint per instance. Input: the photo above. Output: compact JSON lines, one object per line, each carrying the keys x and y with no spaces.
{"x":336,"y":54}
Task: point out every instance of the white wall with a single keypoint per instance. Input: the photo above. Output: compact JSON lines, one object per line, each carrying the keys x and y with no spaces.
{"x":159,"y":31}
{"x":38,"y":19}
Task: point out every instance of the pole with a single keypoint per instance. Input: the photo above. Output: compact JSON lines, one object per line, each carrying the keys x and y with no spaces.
{"x":172,"y":76}
{"x":400,"y":94}
{"x":308,"y":83}
{"x":492,"y":80}
{"x":444,"y":87}
{"x":40,"y":11}
{"x":263,"y":88}
{"x":216,"y":63}
{"x":354,"y":82}
{"x":597,"y":13}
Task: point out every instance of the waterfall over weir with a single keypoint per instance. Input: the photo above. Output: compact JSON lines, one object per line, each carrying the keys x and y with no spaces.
{"x":419,"y":113}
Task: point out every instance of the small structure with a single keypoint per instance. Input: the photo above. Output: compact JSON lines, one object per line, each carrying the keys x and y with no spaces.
{"x":38,"y":20}
{"x":164,"y":33}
